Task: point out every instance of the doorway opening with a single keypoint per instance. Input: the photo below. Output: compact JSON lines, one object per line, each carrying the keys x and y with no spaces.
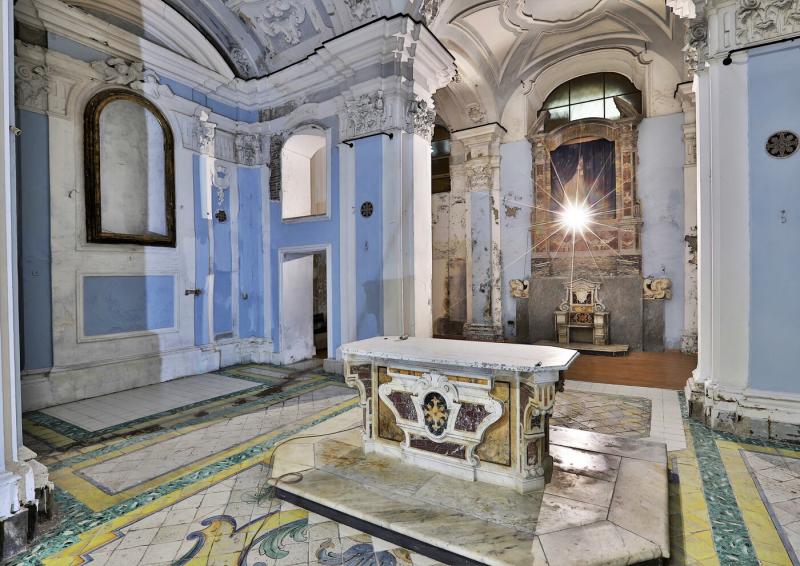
{"x":304,"y":305}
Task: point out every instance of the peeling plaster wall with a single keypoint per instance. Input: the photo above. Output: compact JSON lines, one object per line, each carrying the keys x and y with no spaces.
{"x":660,"y":190}
{"x":516,"y":193}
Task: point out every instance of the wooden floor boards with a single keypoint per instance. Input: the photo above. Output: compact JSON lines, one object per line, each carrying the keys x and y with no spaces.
{"x":667,"y":370}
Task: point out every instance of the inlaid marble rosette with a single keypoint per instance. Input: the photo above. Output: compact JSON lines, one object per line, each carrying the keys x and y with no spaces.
{"x":478,"y":411}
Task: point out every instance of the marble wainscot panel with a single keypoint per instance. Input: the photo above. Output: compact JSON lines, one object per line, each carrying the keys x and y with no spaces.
{"x":607,"y":503}
{"x":477,"y":411}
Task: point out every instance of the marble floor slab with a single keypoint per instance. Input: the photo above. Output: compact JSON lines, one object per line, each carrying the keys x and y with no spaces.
{"x":666,"y":423}
{"x":106,"y":411}
{"x":608,"y":488}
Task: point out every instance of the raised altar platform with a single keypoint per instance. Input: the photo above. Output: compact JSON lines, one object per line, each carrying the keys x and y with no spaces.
{"x":477,"y":411}
{"x":607,"y":503}
{"x":587,"y":348}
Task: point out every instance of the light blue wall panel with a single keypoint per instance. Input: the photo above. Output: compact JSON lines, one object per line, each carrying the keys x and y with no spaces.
{"x":773,"y":84}
{"x":223,"y":265}
{"x":312,"y":233}
{"x":117,"y":303}
{"x":201,"y":260}
{"x":369,"y":241}
{"x":33,"y":177}
{"x":660,"y":187}
{"x":251,"y":254}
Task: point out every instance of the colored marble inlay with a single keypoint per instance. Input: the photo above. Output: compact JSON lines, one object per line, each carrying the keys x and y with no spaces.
{"x":405,"y":406}
{"x":470,"y":416}
{"x":443,"y":448}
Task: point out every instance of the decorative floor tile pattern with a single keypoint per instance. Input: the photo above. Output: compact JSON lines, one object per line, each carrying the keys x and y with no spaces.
{"x":730,"y":502}
{"x":599,"y":412}
{"x":106,"y":411}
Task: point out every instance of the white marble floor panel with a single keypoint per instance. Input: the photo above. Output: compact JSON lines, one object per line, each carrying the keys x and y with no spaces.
{"x":133,"y":468}
{"x":666,"y":423}
{"x":98,"y":413}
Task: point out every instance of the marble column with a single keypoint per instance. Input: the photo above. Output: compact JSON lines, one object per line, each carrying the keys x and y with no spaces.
{"x":689,"y":336}
{"x":482,"y":171}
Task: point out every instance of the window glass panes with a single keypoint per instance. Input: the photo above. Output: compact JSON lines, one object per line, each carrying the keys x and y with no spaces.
{"x":587,"y":87}
{"x":590,"y":96}
{"x":592,"y":109}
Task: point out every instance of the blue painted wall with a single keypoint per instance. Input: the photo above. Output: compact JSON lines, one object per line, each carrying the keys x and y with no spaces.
{"x":773,"y":84}
{"x":33,"y":178}
{"x":369,"y":241}
{"x":660,"y":187}
{"x":223,"y":264}
{"x":202,"y":258}
{"x":127,"y":303}
{"x":315,"y":232}
{"x":251,"y":254}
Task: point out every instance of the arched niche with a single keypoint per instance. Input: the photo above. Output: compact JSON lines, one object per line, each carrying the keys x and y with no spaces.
{"x":304,"y":174}
{"x":129,"y":171}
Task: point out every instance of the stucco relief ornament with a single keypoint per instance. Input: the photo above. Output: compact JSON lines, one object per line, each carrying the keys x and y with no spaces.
{"x":696,"y":48}
{"x":241,"y":61}
{"x":365,"y":114}
{"x":429,"y":11}
{"x":757,"y":20}
{"x":279,"y":17}
{"x":479,"y":176}
{"x":475,"y":113}
{"x":656,"y":288}
{"x":361,"y":9}
{"x":118,"y":71}
{"x":248,"y":149}
{"x":203,"y":133}
{"x":420,"y":117}
{"x":221,"y":180}
{"x":31,"y":86}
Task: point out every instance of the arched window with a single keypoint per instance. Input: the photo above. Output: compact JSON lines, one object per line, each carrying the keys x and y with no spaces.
{"x":440,"y":160}
{"x":304,"y":175}
{"x":589,"y":96}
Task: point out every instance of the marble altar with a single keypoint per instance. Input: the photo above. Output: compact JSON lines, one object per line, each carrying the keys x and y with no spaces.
{"x":476,"y":411}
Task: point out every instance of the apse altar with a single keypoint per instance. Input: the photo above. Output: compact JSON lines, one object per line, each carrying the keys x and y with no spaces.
{"x":477,"y":411}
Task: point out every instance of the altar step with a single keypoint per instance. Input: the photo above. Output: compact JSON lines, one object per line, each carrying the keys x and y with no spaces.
{"x":587,"y":348}
{"x":607,"y":504}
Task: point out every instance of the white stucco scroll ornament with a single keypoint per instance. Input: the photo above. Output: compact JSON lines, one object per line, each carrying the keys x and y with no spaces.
{"x":656,"y":288}
{"x":118,"y":71}
{"x":31,"y":88}
{"x":203,"y":133}
{"x":273,"y":17}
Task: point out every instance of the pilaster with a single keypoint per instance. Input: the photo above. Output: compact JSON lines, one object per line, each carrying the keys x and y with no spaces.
{"x":482,"y":172}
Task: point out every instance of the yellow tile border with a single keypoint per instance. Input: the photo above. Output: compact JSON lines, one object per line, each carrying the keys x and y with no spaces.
{"x":94,"y":538}
{"x":97,"y":500}
{"x":696,"y":542}
{"x":767,"y":542}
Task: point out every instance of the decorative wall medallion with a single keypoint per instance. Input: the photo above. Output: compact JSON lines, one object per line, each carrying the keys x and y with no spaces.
{"x":782,"y":144}
{"x":475,"y":113}
{"x":367,"y":209}
{"x":436,"y":413}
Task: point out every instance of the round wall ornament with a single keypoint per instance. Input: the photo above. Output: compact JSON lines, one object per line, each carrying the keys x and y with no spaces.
{"x":367,"y":209}
{"x":782,"y":144}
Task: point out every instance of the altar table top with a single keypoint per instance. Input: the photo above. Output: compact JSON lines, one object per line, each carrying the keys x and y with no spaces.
{"x":463,"y":353}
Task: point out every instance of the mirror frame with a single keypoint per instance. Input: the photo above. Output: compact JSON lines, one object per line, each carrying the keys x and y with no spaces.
{"x":92,"y":188}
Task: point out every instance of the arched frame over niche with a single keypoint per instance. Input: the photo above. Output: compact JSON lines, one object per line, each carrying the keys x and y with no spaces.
{"x":94,"y":145}
{"x":615,"y":246}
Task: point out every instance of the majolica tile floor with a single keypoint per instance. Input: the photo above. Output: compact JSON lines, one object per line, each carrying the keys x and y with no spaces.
{"x":177,"y":473}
